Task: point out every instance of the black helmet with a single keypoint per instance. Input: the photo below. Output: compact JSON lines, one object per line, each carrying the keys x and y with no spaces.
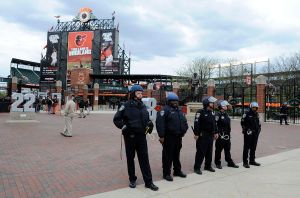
{"x":207,"y":100}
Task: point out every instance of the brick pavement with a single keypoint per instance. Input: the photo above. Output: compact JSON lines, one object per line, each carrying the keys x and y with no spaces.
{"x":36,"y":161}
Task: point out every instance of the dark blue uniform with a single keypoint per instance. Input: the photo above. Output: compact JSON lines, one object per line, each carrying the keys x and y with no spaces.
{"x":251,"y":129}
{"x":171,"y":124}
{"x":205,"y":127}
{"x":283,"y":114}
{"x":223,"y":141}
{"x":133,"y":117}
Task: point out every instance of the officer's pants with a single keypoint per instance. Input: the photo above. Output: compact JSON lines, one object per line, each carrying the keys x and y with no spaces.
{"x":283,"y":117}
{"x":220,"y":145}
{"x":204,"y":146}
{"x":250,"y":143}
{"x":138,"y":144}
{"x":171,"y":154}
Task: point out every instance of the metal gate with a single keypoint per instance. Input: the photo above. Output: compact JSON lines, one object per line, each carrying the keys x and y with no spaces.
{"x":277,"y":94}
{"x":238,"y":95}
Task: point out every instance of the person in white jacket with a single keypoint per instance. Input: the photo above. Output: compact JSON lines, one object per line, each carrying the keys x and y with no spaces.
{"x":70,"y":110}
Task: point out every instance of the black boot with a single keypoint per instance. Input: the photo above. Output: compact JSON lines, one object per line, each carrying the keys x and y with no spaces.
{"x":218,"y":166}
{"x":198,"y":171}
{"x":246,"y":165}
{"x":179,"y":174}
{"x":254,"y":163}
{"x":168,"y":177}
{"x":210,"y":169}
{"x":233,"y":165}
{"x":152,"y":187}
{"x":132,"y":184}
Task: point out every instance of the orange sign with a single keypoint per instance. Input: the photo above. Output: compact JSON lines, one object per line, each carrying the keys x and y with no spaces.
{"x":80,"y":49}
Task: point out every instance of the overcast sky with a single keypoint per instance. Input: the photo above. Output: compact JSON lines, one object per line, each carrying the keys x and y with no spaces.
{"x":162,"y":35}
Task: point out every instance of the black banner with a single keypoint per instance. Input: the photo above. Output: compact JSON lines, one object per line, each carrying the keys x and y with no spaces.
{"x":108,"y":63}
{"x":50,"y":63}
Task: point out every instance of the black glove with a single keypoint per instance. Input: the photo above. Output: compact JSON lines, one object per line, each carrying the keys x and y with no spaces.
{"x":149,"y":127}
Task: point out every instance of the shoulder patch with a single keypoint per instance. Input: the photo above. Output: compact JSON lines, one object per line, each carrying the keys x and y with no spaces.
{"x":162,"y":113}
{"x":122,"y":108}
{"x":244,"y":115}
{"x":213,"y":113}
{"x":197,"y":115}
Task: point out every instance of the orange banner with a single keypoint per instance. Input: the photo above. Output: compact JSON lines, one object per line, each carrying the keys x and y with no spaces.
{"x":80,"y":49}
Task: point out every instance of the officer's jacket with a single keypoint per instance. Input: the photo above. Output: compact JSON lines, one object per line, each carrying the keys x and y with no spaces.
{"x":250,"y":121}
{"x":134,"y":115}
{"x":223,"y":122}
{"x":283,"y":109}
{"x":205,"y":122}
{"x":171,"y":121}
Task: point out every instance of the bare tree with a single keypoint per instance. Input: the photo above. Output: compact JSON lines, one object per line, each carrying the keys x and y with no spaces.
{"x":199,"y":65}
{"x":287,"y":63}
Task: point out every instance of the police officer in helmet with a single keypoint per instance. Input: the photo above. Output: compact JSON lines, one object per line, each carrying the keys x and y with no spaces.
{"x":205,"y":131}
{"x":283,"y":113}
{"x":171,"y":125}
{"x":223,"y":141}
{"x":251,"y":129}
{"x":133,"y":118}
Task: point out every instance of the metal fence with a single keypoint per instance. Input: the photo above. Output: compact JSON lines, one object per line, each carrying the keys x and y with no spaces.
{"x":276,"y":94}
{"x":238,"y":95}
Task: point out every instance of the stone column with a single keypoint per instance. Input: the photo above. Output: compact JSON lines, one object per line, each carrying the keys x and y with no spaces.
{"x":76,"y":90}
{"x":96,"y":97}
{"x":58,"y":86}
{"x":261,"y":82}
{"x":85,"y":92}
{"x":211,"y":87}
{"x":175,"y":87}
{"x":14,"y":84}
{"x":149,"y":90}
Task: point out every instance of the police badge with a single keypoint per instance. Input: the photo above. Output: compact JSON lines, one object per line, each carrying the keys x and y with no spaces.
{"x":217,"y":118}
{"x":122,"y":108}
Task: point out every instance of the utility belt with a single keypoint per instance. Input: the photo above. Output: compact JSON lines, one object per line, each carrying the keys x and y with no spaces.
{"x":175,"y":134}
{"x":251,"y":132}
{"x":206,"y":133}
{"x":224,"y":136}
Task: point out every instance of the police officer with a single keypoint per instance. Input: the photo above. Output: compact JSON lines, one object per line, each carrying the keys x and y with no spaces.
{"x":223,"y":141}
{"x":251,"y":129}
{"x":283,"y":113}
{"x":133,"y":118}
{"x":205,"y":131}
{"x":171,"y":126}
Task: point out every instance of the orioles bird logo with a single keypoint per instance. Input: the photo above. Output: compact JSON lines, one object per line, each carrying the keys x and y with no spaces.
{"x":80,"y":39}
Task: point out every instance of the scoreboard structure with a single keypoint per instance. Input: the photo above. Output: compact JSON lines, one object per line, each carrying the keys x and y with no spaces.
{"x":84,"y":42}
